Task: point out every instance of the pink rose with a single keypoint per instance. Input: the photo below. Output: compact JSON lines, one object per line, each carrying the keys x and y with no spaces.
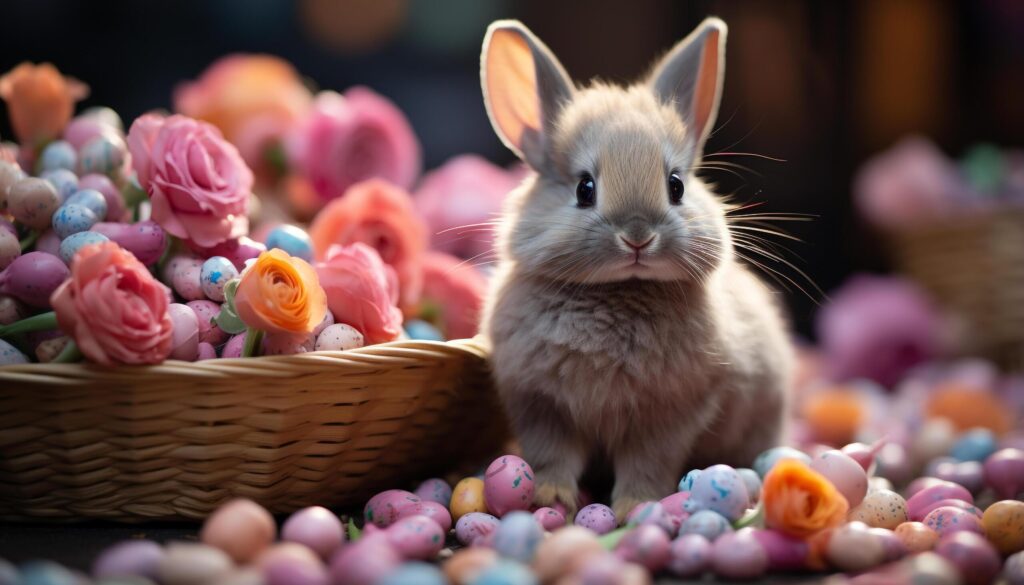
{"x":114,"y":309}
{"x":198,"y":185}
{"x":453,"y":295}
{"x":460,"y":199}
{"x":350,"y":138}
{"x":362,"y":291}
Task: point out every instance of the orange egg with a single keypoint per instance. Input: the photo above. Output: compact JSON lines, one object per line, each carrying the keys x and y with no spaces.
{"x":834,"y":416}
{"x":1004,"y":526}
{"x":916,"y":536}
{"x":467,"y":563}
{"x":468,"y":496}
{"x":968,"y":408}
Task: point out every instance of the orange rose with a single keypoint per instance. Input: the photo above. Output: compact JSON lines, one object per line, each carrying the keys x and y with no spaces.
{"x":799,"y":501}
{"x":279,"y":293}
{"x":40,"y":101}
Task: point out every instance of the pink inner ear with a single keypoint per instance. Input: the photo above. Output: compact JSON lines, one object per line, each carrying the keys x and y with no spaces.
{"x":707,"y":81}
{"x":512,"y":85}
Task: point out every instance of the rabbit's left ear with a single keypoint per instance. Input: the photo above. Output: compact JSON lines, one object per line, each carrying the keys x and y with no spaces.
{"x":690,"y":77}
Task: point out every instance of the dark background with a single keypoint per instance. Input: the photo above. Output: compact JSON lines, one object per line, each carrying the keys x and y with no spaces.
{"x":820,"y":85}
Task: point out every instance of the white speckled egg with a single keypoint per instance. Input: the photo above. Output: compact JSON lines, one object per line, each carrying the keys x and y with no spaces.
{"x":339,"y":336}
{"x":214,"y":274}
{"x":70,"y":245}
{"x":32,"y":201}
{"x":185,"y":276}
{"x":10,"y":354}
{"x":10,"y":248}
{"x":881,"y":509}
{"x":844,"y":473}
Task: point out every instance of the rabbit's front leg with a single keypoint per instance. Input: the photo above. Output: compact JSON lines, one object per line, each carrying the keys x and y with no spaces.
{"x":648,"y":464}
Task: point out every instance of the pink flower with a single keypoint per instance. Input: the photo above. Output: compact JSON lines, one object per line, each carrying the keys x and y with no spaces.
{"x":353,"y":137}
{"x":453,"y":295}
{"x":362,"y":291}
{"x":877,"y":328}
{"x":113,"y":308}
{"x":460,"y":196}
{"x":197,"y":183}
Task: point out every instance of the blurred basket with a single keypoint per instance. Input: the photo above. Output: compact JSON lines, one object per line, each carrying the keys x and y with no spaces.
{"x":176,"y":440}
{"x":974,"y":267}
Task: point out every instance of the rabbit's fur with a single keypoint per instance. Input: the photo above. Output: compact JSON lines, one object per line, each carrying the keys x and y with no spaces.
{"x":657,"y":360}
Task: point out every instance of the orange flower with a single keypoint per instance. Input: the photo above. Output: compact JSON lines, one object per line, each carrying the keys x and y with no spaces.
{"x":799,"y":501}
{"x":279,"y":293}
{"x":40,"y":101}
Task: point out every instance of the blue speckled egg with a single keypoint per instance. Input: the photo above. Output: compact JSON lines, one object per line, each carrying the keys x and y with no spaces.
{"x":517,"y":536}
{"x":974,"y":445}
{"x":215,"y":273}
{"x":597,"y":517}
{"x":71,"y":219}
{"x":720,"y":489}
{"x":57,"y":155}
{"x":103,"y":154}
{"x":10,"y":354}
{"x":65,"y":181}
{"x":686,"y":484}
{"x":415,"y":573}
{"x":706,"y":523}
{"x":291,"y":239}
{"x":767,"y":460}
{"x":90,"y":198}
{"x":73,"y":243}
{"x":505,"y":573}
{"x":417,"y":329}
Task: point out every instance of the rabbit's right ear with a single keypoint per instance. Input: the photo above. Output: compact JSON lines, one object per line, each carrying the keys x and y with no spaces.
{"x":524,"y":87}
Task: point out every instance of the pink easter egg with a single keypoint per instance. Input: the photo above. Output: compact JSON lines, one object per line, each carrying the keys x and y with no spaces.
{"x":946,"y":490}
{"x":205,"y":312}
{"x":1004,"y":472}
{"x":385,"y":508}
{"x":31,"y":278}
{"x":316,"y":527}
{"x":146,"y":240}
{"x":508,"y":485}
{"x":436,"y":512}
{"x":287,"y":343}
{"x":242,"y":528}
{"x":549,"y":519}
{"x":49,"y":242}
{"x":237,"y":251}
{"x":863,"y":454}
{"x":691,"y":556}
{"x":327,"y":321}
{"x":674,"y":505}
{"x":952,"y":504}
{"x":434,"y":489}
{"x":206,"y":352}
{"x":947,"y":520}
{"x":233,"y":348}
{"x":365,"y":562}
{"x":785,"y":553}
{"x":974,"y":557}
{"x":473,"y":526}
{"x":290,"y":563}
{"x":185,"y":278}
{"x":921,"y":483}
{"x":846,"y":474}
{"x":891,"y":544}
{"x":597,"y":517}
{"x":645,"y":545}
{"x":184,"y":333}
{"x":738,"y":555}
{"x":416,"y":537}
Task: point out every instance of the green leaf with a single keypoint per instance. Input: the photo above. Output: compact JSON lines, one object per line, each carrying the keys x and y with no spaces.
{"x":228,"y":320}
{"x":354,"y":533}
{"x":753,"y":517}
{"x":41,"y":322}
{"x":611,"y":540}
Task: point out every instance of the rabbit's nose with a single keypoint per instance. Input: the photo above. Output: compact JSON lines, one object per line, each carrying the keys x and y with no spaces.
{"x":638,"y":243}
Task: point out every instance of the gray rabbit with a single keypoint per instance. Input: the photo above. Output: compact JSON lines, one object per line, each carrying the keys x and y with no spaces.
{"x":621,"y":325}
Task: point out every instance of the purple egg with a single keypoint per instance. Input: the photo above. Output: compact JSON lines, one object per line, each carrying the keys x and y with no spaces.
{"x":947,"y":520}
{"x":645,"y":545}
{"x":976,"y":559}
{"x":969,"y":474}
{"x":597,"y":517}
{"x":508,"y":485}
{"x":206,"y":352}
{"x":785,"y":553}
{"x":550,"y":519}
{"x":738,"y":555}
{"x":145,"y":239}
{"x":416,"y":537}
{"x":7,"y":226}
{"x":432,"y":510}
{"x":601,"y":569}
{"x":290,"y":563}
{"x":49,"y":242}
{"x":691,"y":556}
{"x":31,"y":278}
{"x":233,"y":348}
{"x":316,"y":527}
{"x":1004,"y":472}
{"x":946,"y":490}
{"x":238,"y":251}
{"x":129,"y":558}
{"x":434,"y":489}
{"x":473,"y":526}
{"x":184,"y":333}
{"x":103,"y":184}
{"x":385,"y":508}
{"x":365,"y":562}
{"x":209,"y":332}
{"x":952,"y":504}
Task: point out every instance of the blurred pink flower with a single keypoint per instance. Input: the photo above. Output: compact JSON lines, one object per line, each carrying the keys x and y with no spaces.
{"x":453,"y":295}
{"x":349,"y":138}
{"x":910,"y":183}
{"x":877,"y":328}
{"x":457,"y":197}
{"x":362,"y":291}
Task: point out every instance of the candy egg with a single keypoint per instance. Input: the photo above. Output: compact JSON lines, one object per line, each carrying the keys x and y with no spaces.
{"x":189,"y":564}
{"x":110,"y":192}
{"x":785,"y":553}
{"x":209,"y":332}
{"x":233,"y":348}
{"x":81,"y":129}
{"x":517,"y":536}
{"x":844,"y":473}
{"x":1004,"y":472}
{"x":508,"y":485}
{"x":946,"y":490}
{"x":71,"y":219}
{"x":415,"y":574}
{"x":881,"y":509}
{"x":893,"y":546}
{"x":11,"y":310}
{"x":969,"y":474}
{"x":419,"y":329}
{"x":10,"y":174}
{"x":436,"y":512}
{"x":564,"y":552}
{"x":340,"y":337}
{"x":766,"y":460}
{"x":550,"y":519}
{"x":108,"y":117}
{"x":434,"y":490}
{"x":46,"y":573}
{"x":852,"y":548}
{"x":706,"y":523}
{"x":326,"y":322}
{"x":467,"y":563}
{"x":1013,"y":570}
{"x":752,"y":481}
{"x":206,"y":352}
{"x":238,"y":251}
{"x":654,"y":514}
{"x":597,"y":517}
{"x":10,"y":355}
{"x":946,"y":520}
{"x":690,"y":555}
{"x":954,"y":504}
{"x":686,"y":483}
{"x":185,"y":277}
{"x":720,"y":489}
{"x":184,"y":333}
{"x":145,"y":239}
{"x":384,"y":509}
{"x":58,"y":154}
{"x":919,"y":484}
{"x":32,"y":201}
{"x":976,"y":559}
{"x":416,"y":537}
{"x":242,"y":528}
{"x":10,"y":248}
{"x":316,"y":527}
{"x":675,"y":505}
{"x":214,"y":274}
{"x":365,"y":562}
{"x":293,"y":240}
{"x":894,"y":463}
{"x":91,"y":199}
{"x":609,"y":569}
{"x":467,"y":496}
{"x":647,"y":546}
{"x":505,"y":572}
{"x":1004,"y":526}
{"x":65,"y":182}
{"x":103,"y":154}
{"x":474,"y":525}
{"x":75,"y":242}
{"x":974,"y":445}
{"x":290,"y":563}
{"x":31,"y":278}
{"x":738,"y":555}
{"x":49,"y":242}
{"x":916,"y":537}
{"x":863,"y":454}
{"x":129,"y":558}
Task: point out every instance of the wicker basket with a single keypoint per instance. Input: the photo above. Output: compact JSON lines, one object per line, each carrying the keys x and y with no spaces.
{"x":974,"y":267}
{"x":176,"y":440}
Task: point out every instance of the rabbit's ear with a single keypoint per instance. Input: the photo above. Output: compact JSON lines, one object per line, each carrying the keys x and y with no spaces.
{"x":690,"y":77}
{"x":524,"y":87}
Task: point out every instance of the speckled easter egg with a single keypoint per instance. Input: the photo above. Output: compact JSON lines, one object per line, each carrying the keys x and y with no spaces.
{"x":128,"y":558}
{"x":316,"y":527}
{"x":385,"y":508}
{"x":844,"y":473}
{"x":1004,"y":472}
{"x":976,"y":559}
{"x":1013,"y":569}
{"x":206,"y":352}
{"x":919,"y":484}
{"x":186,"y":563}
{"x":415,"y":573}
{"x":365,"y":562}
{"x":435,"y":489}
{"x":436,"y":512}
{"x":852,"y":548}
{"x":340,"y":337}
{"x":11,"y":310}
{"x":185,"y":277}
{"x":969,"y":474}
{"x":738,"y":555}
{"x":58,"y":154}
{"x":467,"y":563}
{"x":10,"y":174}
{"x":90,"y":198}
{"x":184,"y":333}
{"x":922,"y":500}
{"x":916,"y":537}
{"x":767,"y":460}
{"x":146,"y":240}
{"x":609,"y":569}
{"x":216,"y":271}
{"x":103,"y":184}
{"x":597,"y":517}
{"x":31,"y":278}
{"x":73,"y":243}
{"x":675,"y":505}
{"x":10,"y":248}
{"x":953,"y":504}
{"x":505,"y":572}
{"x":290,"y":563}
{"x":565,"y":551}
{"x":326,"y":322}
{"x":549,"y":519}
{"x":287,"y":343}
{"x":64,"y":181}
{"x":103,"y":154}
{"x":32,"y":202}
{"x":10,"y":355}
{"x":209,"y":332}
{"x":71,"y":219}
{"x":719,"y":489}
{"x":753,"y":483}
{"x":517,"y":536}
{"x":646,"y":545}
{"x":881,"y":509}
{"x":1004,"y":526}
{"x":242,"y":528}
{"x":467,"y":496}
{"x":690,"y":556}
{"x":295,"y":241}
{"x":946,"y":520}
{"x":48,"y":242}
{"x":416,"y":537}
{"x":475,"y":525}
{"x":233,"y":347}
{"x":706,"y":523}
{"x":686,"y":483}
{"x":785,"y":553}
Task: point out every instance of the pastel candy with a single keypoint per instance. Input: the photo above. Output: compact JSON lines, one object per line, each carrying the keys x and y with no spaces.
{"x":339,"y":337}
{"x":1013,"y":569}
{"x":103,"y":184}
{"x":946,"y":490}
{"x":947,"y":519}
{"x":766,"y":460}
{"x":1004,"y":526}
{"x":953,"y":504}
{"x":436,"y":512}
{"x":214,"y":274}
{"x":129,"y":558}
{"x":508,"y":485}
{"x":1004,"y":472}
{"x":853,"y":548}
{"x":419,"y":329}
{"x":365,"y":562}
{"x":969,"y":474}
{"x":416,"y":537}
{"x":753,"y":483}
{"x":384,"y":509}
{"x":293,"y":240}
{"x":233,"y":348}
{"x":974,"y":445}
{"x":416,"y":573}
{"x":145,"y":239}
{"x":71,"y":219}
{"x":185,"y":277}
{"x":844,"y":473}
{"x":90,"y":198}
{"x":475,"y":525}
{"x":58,"y":154}
{"x":690,"y":555}
{"x":191,"y":563}
{"x":517,"y":536}
{"x":103,"y":154}
{"x":435,"y":490}
{"x":31,"y":278}
{"x":206,"y":352}
{"x":241,"y":528}
{"x":646,"y":545}
{"x":686,"y":483}
{"x":675,"y":505}
{"x":290,"y":563}
{"x":10,"y":355}
{"x":70,"y":245}
{"x":881,"y":509}
{"x":974,"y":557}
{"x":467,"y":496}
{"x":64,"y":181}
{"x":738,"y":555}
{"x":596,"y":517}
{"x":209,"y":332}
{"x":706,"y":523}
{"x":10,"y":248}
{"x":785,"y":553}
{"x":550,"y":519}
{"x":916,"y":537}
{"x":32,"y":201}
{"x":720,"y":489}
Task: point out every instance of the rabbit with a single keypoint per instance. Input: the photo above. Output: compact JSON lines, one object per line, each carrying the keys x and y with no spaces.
{"x":621,"y":326}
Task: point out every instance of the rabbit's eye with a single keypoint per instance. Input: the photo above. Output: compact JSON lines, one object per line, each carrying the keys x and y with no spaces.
{"x":586,"y":191}
{"x":675,"y":189}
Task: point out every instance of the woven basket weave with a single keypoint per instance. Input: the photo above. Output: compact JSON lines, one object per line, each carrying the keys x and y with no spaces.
{"x":176,"y":440}
{"x":974,"y":267}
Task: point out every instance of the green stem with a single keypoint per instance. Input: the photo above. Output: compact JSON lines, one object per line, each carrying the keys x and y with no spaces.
{"x":753,"y":517}
{"x":354,"y":533}
{"x":611,"y":540}
{"x":40,"y":322}
{"x":30,"y":240}
{"x":69,"y":355}
{"x":253,"y":341}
